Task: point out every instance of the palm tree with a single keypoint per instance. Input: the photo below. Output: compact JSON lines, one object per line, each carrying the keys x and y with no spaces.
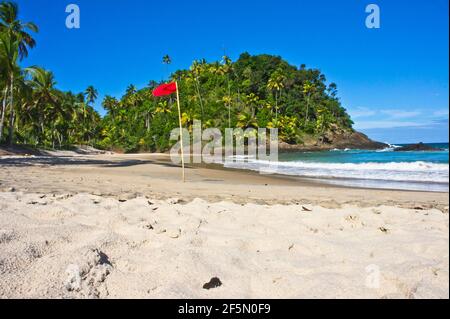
{"x":110,"y":103}
{"x":324,"y":120}
{"x":15,"y":29}
{"x":246,"y":120}
{"x":308,"y":90}
{"x":73,"y":108}
{"x":10,"y":50}
{"x":228,"y":68}
{"x":196,"y":70}
{"x":8,"y":56}
{"x":130,"y":98}
{"x":16,"y":40}
{"x":252,"y":102}
{"x":45,"y":96}
{"x":18,"y":94}
{"x":167,"y":60}
{"x":152,"y":84}
{"x":91,"y":94}
{"x":227,"y":102}
{"x":43,"y":83}
{"x":131,"y":89}
{"x":163,"y":108}
{"x":276,"y":83}
{"x":3,"y":111}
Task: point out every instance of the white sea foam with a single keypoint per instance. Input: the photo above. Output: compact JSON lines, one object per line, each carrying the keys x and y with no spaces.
{"x":415,"y":172}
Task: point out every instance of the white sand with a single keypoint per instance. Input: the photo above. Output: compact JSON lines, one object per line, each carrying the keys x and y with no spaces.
{"x":166,"y":250}
{"x":132,"y":239}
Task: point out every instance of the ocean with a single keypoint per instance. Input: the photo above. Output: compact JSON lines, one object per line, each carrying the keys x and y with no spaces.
{"x":384,"y":169}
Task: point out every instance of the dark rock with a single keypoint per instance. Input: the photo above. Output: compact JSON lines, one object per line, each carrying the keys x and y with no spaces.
{"x":334,"y":139}
{"x":214,"y":283}
{"x":418,"y":147}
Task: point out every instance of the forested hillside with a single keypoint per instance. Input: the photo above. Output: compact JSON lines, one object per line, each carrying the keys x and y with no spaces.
{"x":255,"y":91}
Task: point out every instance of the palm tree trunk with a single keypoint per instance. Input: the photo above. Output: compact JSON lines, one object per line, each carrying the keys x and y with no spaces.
{"x":2,"y":120}
{"x":229,"y":99}
{"x":276,"y":106}
{"x":199,"y":95}
{"x":229,"y":115}
{"x":307,"y":110}
{"x":11,"y":115}
{"x":42,"y":126}
{"x":59,"y":137}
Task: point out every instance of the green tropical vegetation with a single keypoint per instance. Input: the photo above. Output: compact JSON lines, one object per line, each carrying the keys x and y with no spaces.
{"x":255,"y":91}
{"x":33,"y":111}
{"x":251,"y":92}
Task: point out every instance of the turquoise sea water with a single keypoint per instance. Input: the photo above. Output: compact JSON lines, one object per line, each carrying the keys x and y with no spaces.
{"x":361,"y":156}
{"x":360,"y":168}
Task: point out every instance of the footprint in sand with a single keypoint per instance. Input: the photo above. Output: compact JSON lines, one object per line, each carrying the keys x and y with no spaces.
{"x":85,"y":277}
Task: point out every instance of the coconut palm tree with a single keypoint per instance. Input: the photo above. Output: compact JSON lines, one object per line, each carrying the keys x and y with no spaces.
{"x":43,"y":83}
{"x":110,"y":103}
{"x":45,"y":96}
{"x":276,"y":84}
{"x":67,"y":123}
{"x":15,"y":29}
{"x":91,"y":94}
{"x":20,"y":94}
{"x":196,"y":71}
{"x":9,"y":52}
{"x":8,"y":63}
{"x":16,"y":40}
{"x":228,"y":69}
{"x":167,"y":60}
{"x":227,"y":100}
{"x":152,"y":84}
{"x":246,"y":120}
{"x":163,"y":108}
{"x":252,"y":102}
{"x":308,"y":90}
{"x":131,"y":89}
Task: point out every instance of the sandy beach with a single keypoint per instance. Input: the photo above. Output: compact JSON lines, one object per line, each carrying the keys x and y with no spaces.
{"x":124,"y":226}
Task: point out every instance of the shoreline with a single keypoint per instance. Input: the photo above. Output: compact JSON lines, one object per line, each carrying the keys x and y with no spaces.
{"x":343,"y":178}
{"x":154,"y":174}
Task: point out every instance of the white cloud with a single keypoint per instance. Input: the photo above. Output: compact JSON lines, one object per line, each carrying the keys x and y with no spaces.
{"x":362,"y":112}
{"x":372,"y":118}
{"x":400,"y":114}
{"x":441,"y":113}
{"x":365,"y":125}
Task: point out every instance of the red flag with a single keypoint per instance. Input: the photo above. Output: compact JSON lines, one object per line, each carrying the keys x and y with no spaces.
{"x":165,"y":89}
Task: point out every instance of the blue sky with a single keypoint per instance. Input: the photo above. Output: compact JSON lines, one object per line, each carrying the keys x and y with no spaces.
{"x":393,"y":80}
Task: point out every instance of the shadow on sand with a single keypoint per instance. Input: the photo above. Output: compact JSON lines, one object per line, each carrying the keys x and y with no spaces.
{"x":71,"y":160}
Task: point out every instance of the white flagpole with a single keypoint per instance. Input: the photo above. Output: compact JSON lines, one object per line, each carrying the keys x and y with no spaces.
{"x":181,"y":132}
